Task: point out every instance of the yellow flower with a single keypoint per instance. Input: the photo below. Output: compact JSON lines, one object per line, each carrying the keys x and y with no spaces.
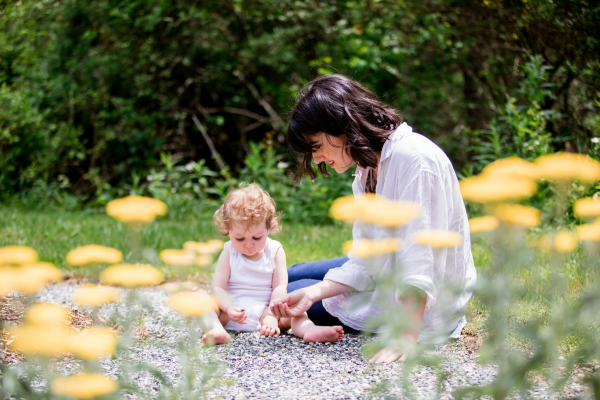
{"x":544,"y":243}
{"x":373,"y":209}
{"x":95,"y":295}
{"x":203,"y":260}
{"x":86,"y":386}
{"x":483,"y":224}
{"x":588,"y":207}
{"x":512,"y":167}
{"x":47,"y":314}
{"x":488,"y":188}
{"x":343,"y":209}
{"x":387,"y":213}
{"x":365,"y":247}
{"x":192,"y":304}
{"x":437,"y":238}
{"x":94,"y":254}
{"x":44,"y":271}
{"x":136,"y":209}
{"x":565,"y":241}
{"x":177,"y":257}
{"x":564,"y":166}
{"x":7,"y":280}
{"x":17,"y":255}
{"x":210,"y":247}
{"x":589,"y":232}
{"x":131,"y":275}
{"x":39,"y":339}
{"x":518,"y":215}
{"x":95,"y":343}
{"x":31,"y":278}
{"x":174,"y":287}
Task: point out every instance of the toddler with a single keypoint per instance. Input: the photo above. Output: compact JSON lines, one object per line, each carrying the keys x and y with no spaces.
{"x":251,"y":272}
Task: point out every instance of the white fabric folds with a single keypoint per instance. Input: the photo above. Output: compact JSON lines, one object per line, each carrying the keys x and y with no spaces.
{"x":412,"y":168}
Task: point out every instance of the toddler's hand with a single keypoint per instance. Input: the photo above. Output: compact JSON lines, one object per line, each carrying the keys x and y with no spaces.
{"x":270,"y":326}
{"x":237,"y":315}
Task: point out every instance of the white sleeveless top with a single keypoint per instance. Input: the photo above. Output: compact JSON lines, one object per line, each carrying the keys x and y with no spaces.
{"x":250,"y":284}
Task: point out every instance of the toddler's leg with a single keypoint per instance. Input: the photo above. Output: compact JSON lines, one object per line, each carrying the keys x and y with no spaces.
{"x":217,"y":334}
{"x":304,"y":328}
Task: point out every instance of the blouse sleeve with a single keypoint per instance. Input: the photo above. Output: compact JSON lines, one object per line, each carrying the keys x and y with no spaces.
{"x":354,"y":272}
{"x":421,"y":266}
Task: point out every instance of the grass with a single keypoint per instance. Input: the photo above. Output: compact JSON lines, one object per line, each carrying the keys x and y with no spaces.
{"x":54,"y":234}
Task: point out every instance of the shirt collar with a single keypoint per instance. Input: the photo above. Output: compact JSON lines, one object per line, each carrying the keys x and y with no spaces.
{"x":394,"y":138}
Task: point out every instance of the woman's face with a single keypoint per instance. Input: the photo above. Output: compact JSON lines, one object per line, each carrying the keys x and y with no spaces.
{"x":330,"y":150}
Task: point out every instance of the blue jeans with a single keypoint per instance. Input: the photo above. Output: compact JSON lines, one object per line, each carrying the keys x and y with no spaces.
{"x":307,"y":274}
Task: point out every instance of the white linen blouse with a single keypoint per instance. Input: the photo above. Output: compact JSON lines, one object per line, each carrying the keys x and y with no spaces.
{"x":412,"y":168}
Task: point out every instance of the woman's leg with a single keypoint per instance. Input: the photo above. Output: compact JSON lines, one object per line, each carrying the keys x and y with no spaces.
{"x":314,"y":270}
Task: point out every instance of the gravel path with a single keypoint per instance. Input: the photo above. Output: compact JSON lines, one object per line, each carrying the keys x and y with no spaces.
{"x":287,"y":368}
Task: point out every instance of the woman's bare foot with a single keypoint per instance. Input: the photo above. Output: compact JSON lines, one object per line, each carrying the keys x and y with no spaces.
{"x":217,"y":335}
{"x":323,"y":334}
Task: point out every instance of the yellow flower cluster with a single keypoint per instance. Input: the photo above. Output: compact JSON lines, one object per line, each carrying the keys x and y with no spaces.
{"x":483,"y":224}
{"x":17,"y":255}
{"x":94,"y":254}
{"x":514,"y":179}
{"x":45,"y":333}
{"x":586,"y":208}
{"x":20,"y":270}
{"x":136,"y":209}
{"x":518,"y":215}
{"x":192,"y":304}
{"x":365,"y":248}
{"x":96,"y":295}
{"x":372,"y":209}
{"x":437,"y":238}
{"x":561,"y":242}
{"x":192,"y":253}
{"x":130,"y":275}
{"x":85,"y":386}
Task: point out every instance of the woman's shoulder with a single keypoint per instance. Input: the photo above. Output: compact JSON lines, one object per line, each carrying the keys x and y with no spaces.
{"x":418,"y":153}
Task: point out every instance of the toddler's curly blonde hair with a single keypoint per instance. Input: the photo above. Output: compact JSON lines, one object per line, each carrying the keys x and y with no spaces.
{"x":249,"y":205}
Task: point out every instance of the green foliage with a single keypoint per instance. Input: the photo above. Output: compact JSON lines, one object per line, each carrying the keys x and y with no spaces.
{"x":93,"y":91}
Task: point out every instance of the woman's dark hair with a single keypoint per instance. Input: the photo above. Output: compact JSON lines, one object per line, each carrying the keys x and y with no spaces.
{"x":340,"y":106}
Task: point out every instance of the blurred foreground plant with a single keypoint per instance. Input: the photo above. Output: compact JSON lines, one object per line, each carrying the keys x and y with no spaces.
{"x":531,"y":252}
{"x":47,"y":332}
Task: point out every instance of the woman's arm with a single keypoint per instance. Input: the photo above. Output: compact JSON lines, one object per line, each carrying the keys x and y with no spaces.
{"x":219,"y":289}
{"x":299,"y":301}
{"x":414,"y":302}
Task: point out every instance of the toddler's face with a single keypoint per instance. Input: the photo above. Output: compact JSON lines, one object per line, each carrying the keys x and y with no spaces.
{"x":251,"y":241}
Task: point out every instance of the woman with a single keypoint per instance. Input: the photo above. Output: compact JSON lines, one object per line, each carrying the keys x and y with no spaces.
{"x":337,"y":122}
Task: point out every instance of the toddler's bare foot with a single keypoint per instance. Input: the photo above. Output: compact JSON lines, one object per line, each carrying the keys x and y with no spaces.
{"x":218,"y":336}
{"x":323,"y":334}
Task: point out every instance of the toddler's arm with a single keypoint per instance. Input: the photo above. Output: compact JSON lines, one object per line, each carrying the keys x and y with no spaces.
{"x":280,"y":276}
{"x":219,"y":289}
{"x":270,"y":323}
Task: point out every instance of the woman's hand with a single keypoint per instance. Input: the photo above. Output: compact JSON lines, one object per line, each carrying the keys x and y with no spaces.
{"x":387,"y":355}
{"x":237,"y":315}
{"x":292,"y":305}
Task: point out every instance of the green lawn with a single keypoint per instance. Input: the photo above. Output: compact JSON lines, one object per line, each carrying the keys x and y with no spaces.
{"x":54,"y":233}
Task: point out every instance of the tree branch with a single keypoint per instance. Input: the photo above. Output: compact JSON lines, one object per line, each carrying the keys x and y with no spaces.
{"x":211,"y":145}
{"x":276,"y":121}
{"x":240,"y":111}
